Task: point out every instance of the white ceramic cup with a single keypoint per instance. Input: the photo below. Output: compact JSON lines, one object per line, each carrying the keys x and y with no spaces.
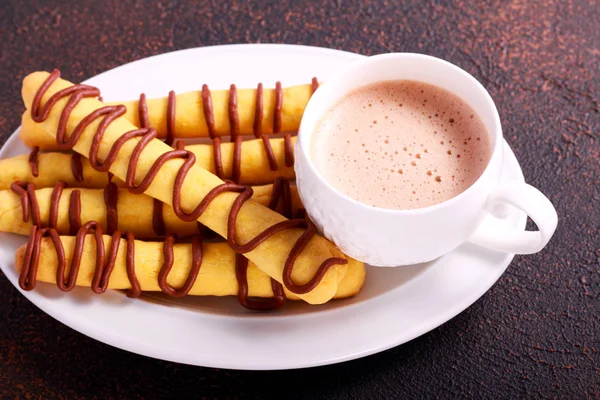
{"x":385,"y":237}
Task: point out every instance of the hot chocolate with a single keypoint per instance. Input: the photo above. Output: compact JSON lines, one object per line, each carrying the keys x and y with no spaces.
{"x":401,"y":145}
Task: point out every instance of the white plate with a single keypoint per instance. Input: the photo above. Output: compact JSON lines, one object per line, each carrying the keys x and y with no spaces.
{"x":395,"y":306}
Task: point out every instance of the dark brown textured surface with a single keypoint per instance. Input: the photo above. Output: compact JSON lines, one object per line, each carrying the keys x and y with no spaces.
{"x":534,"y":334}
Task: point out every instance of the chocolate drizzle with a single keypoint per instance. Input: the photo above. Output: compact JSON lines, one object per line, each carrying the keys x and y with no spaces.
{"x":77,"y":167}
{"x":74,"y":212}
{"x":278,"y":108}
{"x":258,"y":116}
{"x":143,"y":112}
{"x":108,"y":114}
{"x":54,"y":203}
{"x":209,"y":116}
{"x":169,"y":258}
{"x":234,"y":126}
{"x":237,"y":160}
{"x":158,"y":222}
{"x":104,"y":265}
{"x":170,"y":118}
{"x":281,"y":192}
{"x":29,"y":203}
{"x":241,"y":274}
{"x":33,"y":161}
{"x":258,"y":111}
{"x":234,"y":118}
{"x":145,"y":118}
{"x":27,"y":277}
{"x":207,"y":107}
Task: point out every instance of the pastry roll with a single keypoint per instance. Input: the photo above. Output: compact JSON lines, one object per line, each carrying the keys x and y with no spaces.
{"x":207,"y":113}
{"x":45,"y":169}
{"x":289,"y":251}
{"x":66,"y":209}
{"x":254,"y":165}
{"x":198,"y":268}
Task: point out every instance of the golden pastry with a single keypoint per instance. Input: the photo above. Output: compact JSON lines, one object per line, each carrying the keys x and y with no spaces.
{"x":207,"y":113}
{"x":197,"y":268}
{"x":45,"y":169}
{"x":253,"y":166}
{"x":287,"y":250}
{"x":66,"y":209}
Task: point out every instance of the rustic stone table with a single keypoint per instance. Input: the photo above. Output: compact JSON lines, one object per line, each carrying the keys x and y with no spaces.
{"x":536,"y":333}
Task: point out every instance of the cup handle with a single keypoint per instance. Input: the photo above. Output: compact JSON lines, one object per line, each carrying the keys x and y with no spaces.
{"x":528,"y":199}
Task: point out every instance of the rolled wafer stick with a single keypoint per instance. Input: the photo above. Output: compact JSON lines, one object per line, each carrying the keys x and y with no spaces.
{"x":253,"y":167}
{"x":201,"y":269}
{"x":287,"y":250}
{"x":44,"y":169}
{"x":206,"y":113}
{"x":66,"y":209}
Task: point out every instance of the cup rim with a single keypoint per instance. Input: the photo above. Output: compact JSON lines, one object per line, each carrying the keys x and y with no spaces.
{"x":340,"y":76}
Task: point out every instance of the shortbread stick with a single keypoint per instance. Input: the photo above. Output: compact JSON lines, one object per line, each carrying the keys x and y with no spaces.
{"x":58,"y":207}
{"x":289,"y":252}
{"x":254,"y":165}
{"x":216,"y":277}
